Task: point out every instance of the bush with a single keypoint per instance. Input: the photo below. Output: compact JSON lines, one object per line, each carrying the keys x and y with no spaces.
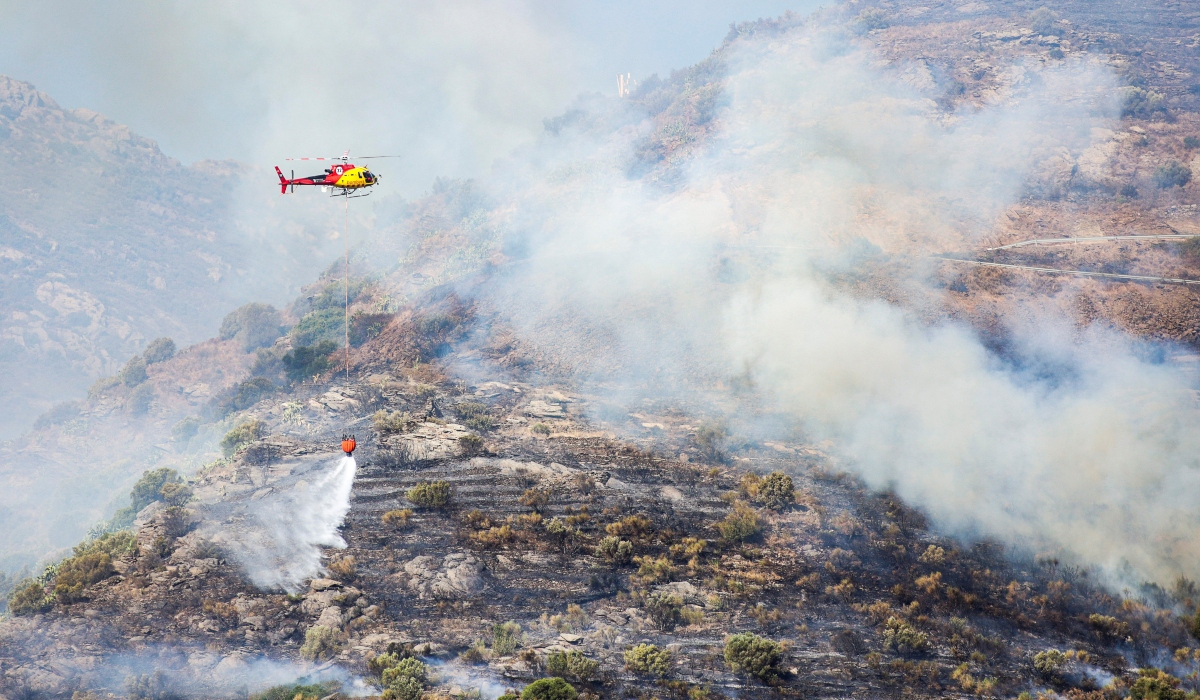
{"x":1129,"y":192}
{"x":872,"y":18}
{"x":648,"y":660}
{"x":429,"y":494}
{"x":298,"y":691}
{"x":406,"y":668}
{"x":245,"y":394}
{"x":572,"y":664}
{"x":1173,"y":174}
{"x":397,"y":518}
{"x":404,"y":688}
{"x":470,"y":445}
{"x":535,"y":498}
{"x":1191,"y":142}
{"x":753,"y":655}
{"x":389,"y":422}
{"x":615,"y":550}
{"x":665,"y":610}
{"x":636,"y":526}
{"x":241,"y":436}
{"x":320,"y":644}
{"x":134,"y":371}
{"x":186,"y":429}
{"x":506,"y":637}
{"x":1044,"y":22}
{"x":58,"y":414}
{"x":540,"y":429}
{"x":1141,"y":103}
{"x":709,"y":438}
{"x":1154,"y":684}
{"x":740,"y":525}
{"x":308,"y":360}
{"x":28,"y":599}
{"x":252,"y":326}
{"x":1049,"y":662}
{"x":776,"y":491}
{"x":147,"y":490}
{"x":161,"y":350}
{"x":140,"y":399}
{"x":364,"y":327}
{"x":319,"y":327}
{"x":549,"y":689}
{"x":651,"y":570}
{"x":902,"y":637}
{"x":1109,"y":626}
{"x":77,"y":573}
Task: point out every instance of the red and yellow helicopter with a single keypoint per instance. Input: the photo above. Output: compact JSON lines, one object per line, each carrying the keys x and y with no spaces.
{"x":345,"y":179}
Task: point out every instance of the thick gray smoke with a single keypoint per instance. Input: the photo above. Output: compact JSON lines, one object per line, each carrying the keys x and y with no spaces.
{"x":824,"y":150}
{"x":277,"y":536}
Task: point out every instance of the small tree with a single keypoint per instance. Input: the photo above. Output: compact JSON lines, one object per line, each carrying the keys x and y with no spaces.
{"x":134,"y":371}
{"x":572,"y":664}
{"x":903,"y":637}
{"x":752,"y":655}
{"x":1044,"y":21}
{"x":615,"y":550}
{"x":1173,"y":174}
{"x":665,"y":610}
{"x":29,"y":598}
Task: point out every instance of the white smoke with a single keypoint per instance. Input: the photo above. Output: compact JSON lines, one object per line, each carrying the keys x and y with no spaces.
{"x":278,"y":539}
{"x":823,"y":150}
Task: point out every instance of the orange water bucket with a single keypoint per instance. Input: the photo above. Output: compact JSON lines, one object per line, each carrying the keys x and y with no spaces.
{"x":348,"y":444}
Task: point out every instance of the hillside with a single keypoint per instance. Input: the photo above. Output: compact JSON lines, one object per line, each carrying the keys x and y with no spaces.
{"x":108,"y":243}
{"x":697,"y":397}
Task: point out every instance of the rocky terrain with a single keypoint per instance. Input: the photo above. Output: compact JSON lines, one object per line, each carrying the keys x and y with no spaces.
{"x":529,"y":501}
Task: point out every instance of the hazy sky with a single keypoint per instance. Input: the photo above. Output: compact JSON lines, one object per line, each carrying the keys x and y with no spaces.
{"x":450,"y":85}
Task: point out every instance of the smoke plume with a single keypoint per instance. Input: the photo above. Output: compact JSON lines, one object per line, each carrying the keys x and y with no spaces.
{"x":825,"y":163}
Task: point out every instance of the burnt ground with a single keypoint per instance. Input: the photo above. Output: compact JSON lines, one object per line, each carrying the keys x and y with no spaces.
{"x":823,"y":577}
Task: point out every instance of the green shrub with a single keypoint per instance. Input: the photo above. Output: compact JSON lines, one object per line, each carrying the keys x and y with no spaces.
{"x":549,"y":689}
{"x":871,"y":18}
{"x":389,"y":422}
{"x":245,"y":394}
{"x":1049,"y":662}
{"x":1154,"y":684}
{"x":615,"y":550}
{"x":740,"y":525}
{"x":482,"y":423}
{"x":1044,"y":21}
{"x":509,"y":696}
{"x":320,"y":644}
{"x":308,"y":360}
{"x":572,"y":664}
{"x":403,"y":678}
{"x":1141,"y":103}
{"x":140,"y":399}
{"x":1109,"y":626}
{"x":147,"y":490}
{"x":161,"y":350}
{"x":317,"y":327}
{"x":902,"y":637}
{"x":753,"y":655}
{"x":540,"y":429}
{"x":1191,"y":142}
{"x":29,"y":598}
{"x":776,"y":491}
{"x":134,"y":371}
{"x":506,"y":637}
{"x":429,"y":494}
{"x":298,"y":691}
{"x":709,"y":438}
{"x":648,"y":660}
{"x":186,"y":429}
{"x":252,"y":326}
{"x":665,"y":610}
{"x":58,"y":414}
{"x":241,"y":436}
{"x":1173,"y":174}
{"x":79,"y":572}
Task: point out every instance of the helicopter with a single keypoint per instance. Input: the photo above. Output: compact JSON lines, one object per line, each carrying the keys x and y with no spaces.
{"x":344,"y":179}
